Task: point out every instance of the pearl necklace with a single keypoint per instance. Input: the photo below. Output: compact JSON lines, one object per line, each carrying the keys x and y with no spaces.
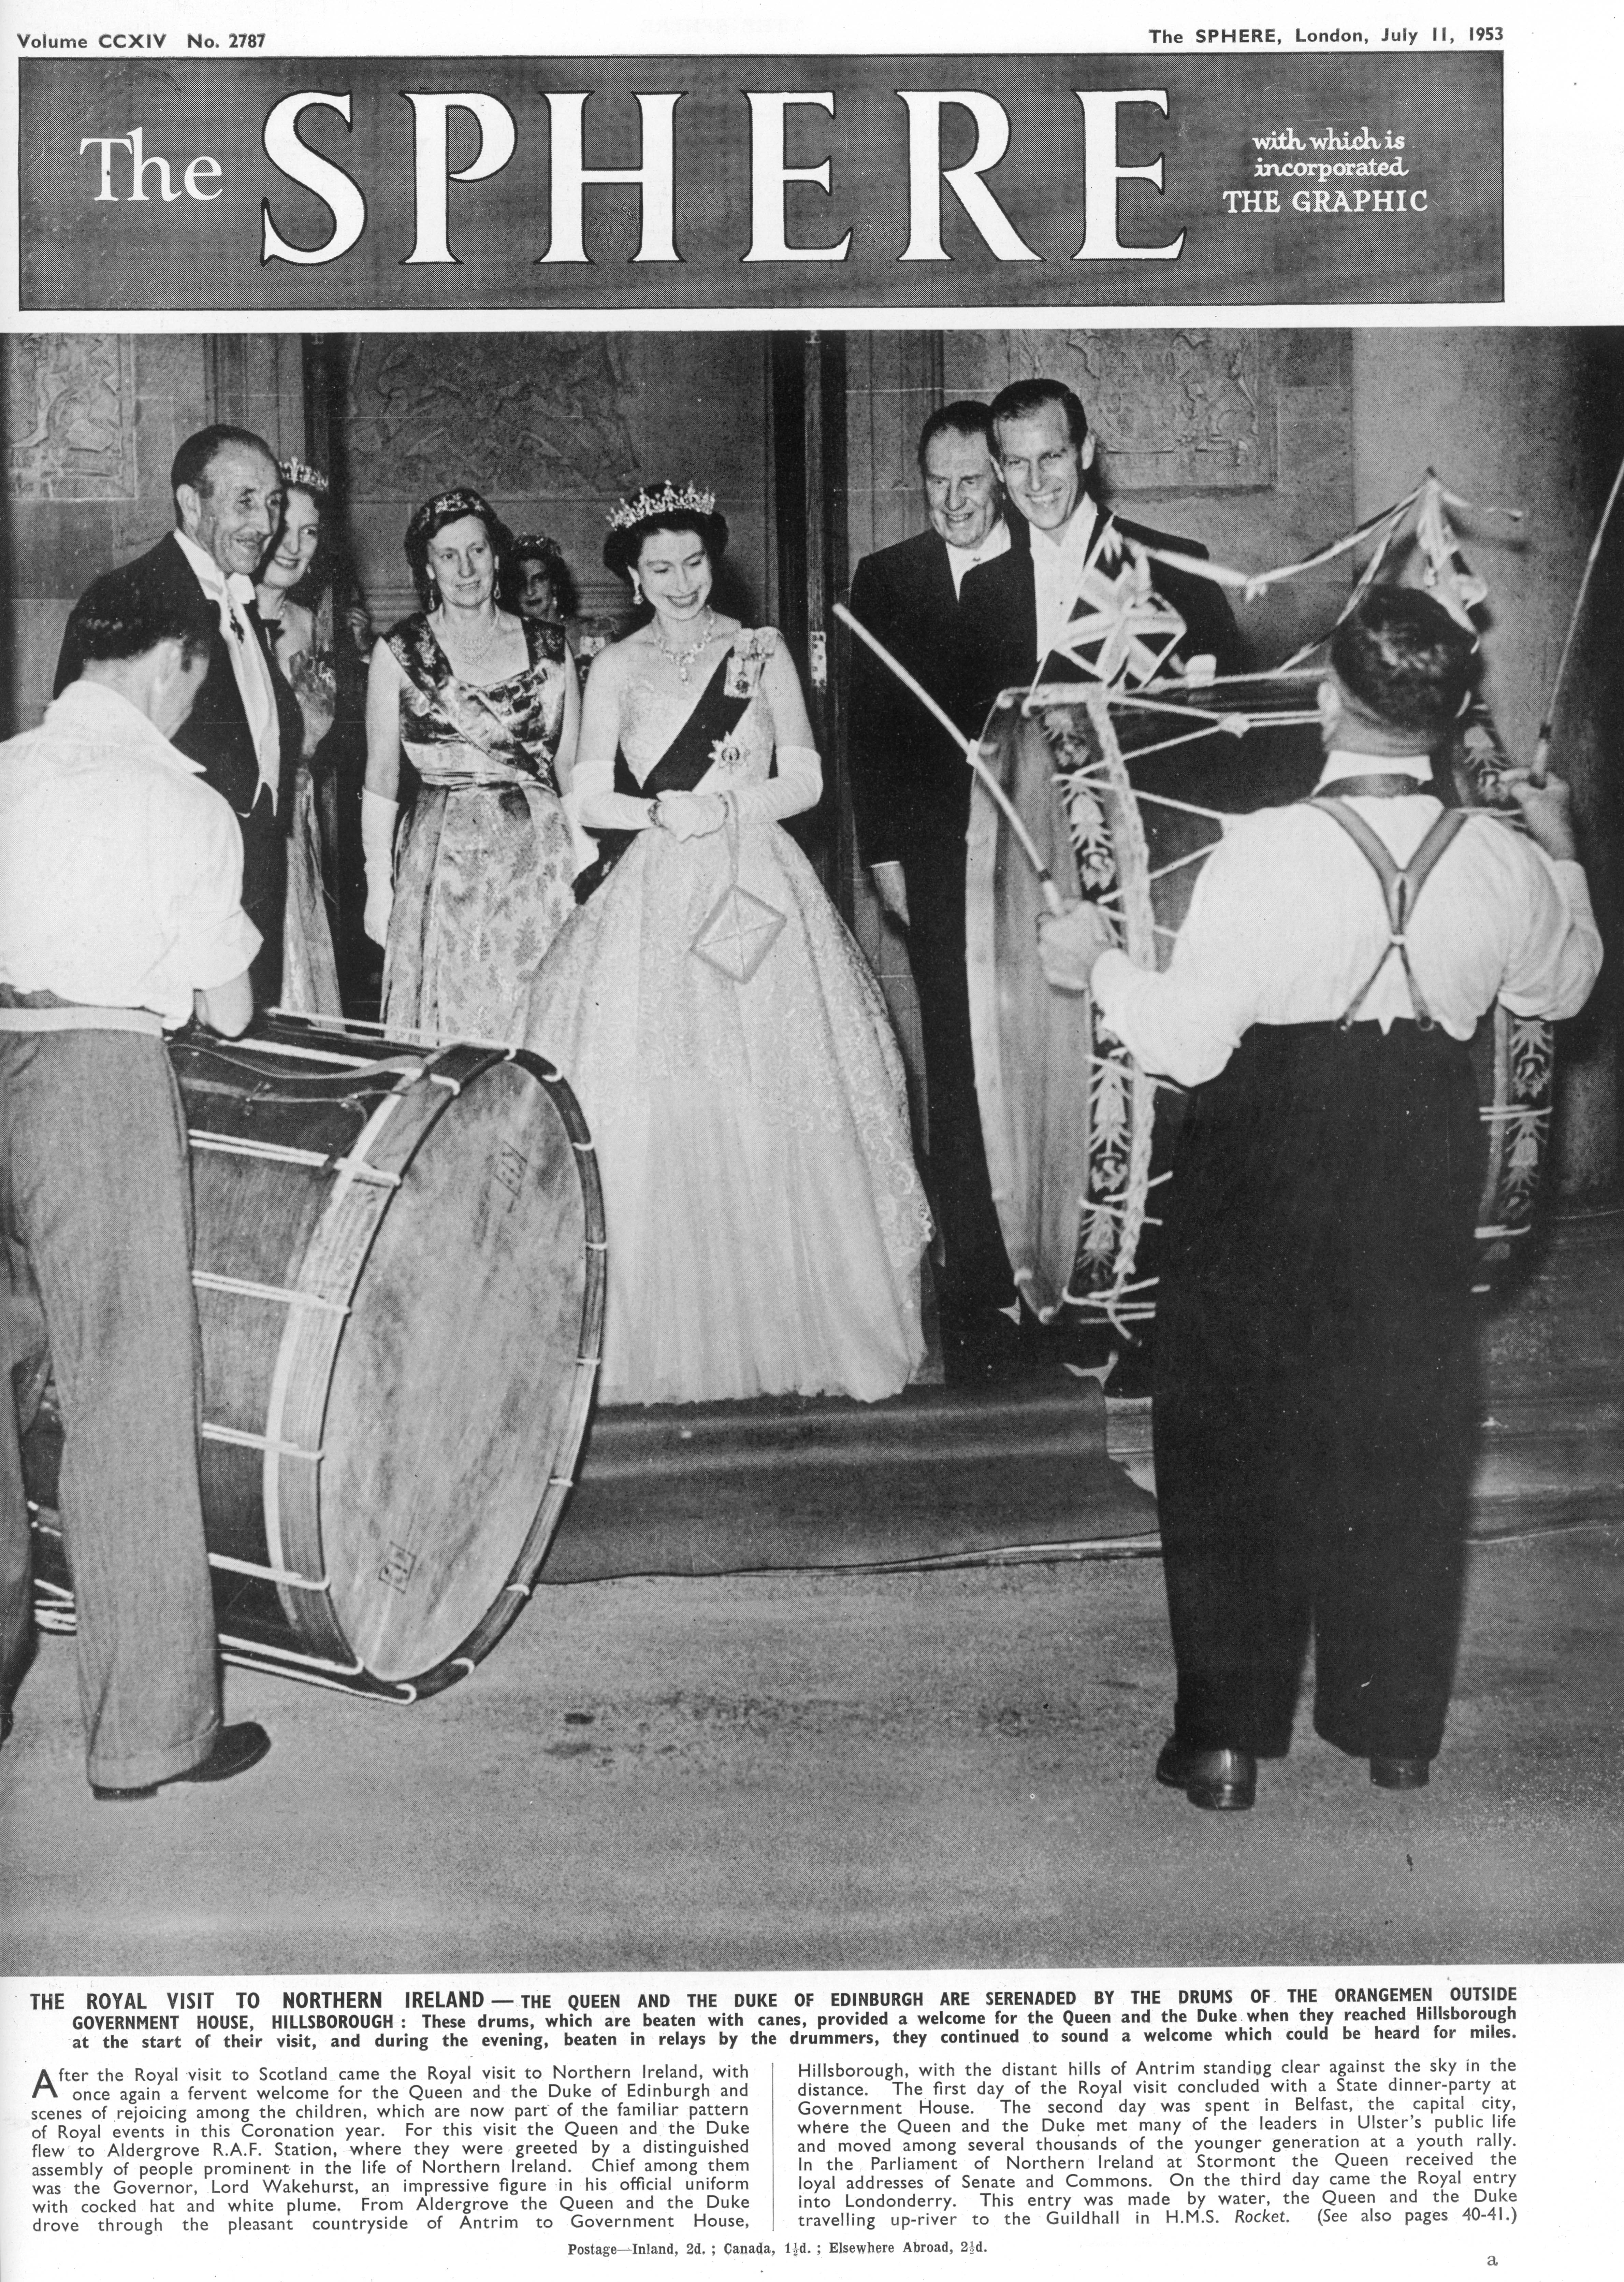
{"x":468,"y":651}
{"x":682,"y":659}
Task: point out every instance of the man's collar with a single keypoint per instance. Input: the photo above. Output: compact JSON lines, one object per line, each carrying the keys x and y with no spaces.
{"x":996,"y":542}
{"x":1340,"y":762}
{"x":98,"y":703}
{"x":1076,"y":534}
{"x":215,"y":583}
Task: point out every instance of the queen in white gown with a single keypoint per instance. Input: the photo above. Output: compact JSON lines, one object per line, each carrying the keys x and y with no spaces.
{"x":765,"y":1219}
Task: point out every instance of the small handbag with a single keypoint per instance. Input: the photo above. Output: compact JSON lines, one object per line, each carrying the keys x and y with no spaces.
{"x":739,"y":928}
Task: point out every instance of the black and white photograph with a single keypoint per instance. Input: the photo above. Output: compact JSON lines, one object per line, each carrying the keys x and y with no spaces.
{"x":811,"y":1188}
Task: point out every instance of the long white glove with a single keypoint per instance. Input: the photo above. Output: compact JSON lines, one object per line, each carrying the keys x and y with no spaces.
{"x":378,"y":846}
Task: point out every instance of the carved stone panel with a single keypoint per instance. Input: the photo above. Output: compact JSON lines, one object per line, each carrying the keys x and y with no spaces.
{"x":1187,"y":409}
{"x":70,"y":416}
{"x":538,"y":415}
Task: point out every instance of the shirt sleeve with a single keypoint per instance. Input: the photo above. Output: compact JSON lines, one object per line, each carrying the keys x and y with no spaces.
{"x":1185,"y":1022}
{"x":1552,"y":969}
{"x":213,"y":938}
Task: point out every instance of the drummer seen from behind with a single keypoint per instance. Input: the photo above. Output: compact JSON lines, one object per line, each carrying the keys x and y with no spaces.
{"x":120,"y":917}
{"x":1314,"y":1402}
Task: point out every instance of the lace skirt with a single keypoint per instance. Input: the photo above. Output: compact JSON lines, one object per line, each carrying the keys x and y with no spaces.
{"x":765,"y":1218}
{"x":309,"y":969}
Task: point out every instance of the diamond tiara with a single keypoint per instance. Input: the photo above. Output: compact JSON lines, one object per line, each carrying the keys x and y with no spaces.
{"x":308,"y":479}
{"x":631,"y":512}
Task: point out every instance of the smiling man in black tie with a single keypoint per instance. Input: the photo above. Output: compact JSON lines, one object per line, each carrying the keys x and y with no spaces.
{"x":1071,"y":599}
{"x":910,"y":793}
{"x":245,"y":732}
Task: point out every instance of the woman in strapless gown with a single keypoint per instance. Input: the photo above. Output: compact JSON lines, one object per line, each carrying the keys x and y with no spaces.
{"x":765,"y":1218}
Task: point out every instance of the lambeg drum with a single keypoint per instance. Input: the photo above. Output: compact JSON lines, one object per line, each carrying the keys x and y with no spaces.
{"x":400,"y":1267}
{"x":1125,"y":793}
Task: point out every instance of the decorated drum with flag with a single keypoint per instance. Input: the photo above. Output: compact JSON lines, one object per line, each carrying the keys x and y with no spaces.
{"x":1125,"y":793}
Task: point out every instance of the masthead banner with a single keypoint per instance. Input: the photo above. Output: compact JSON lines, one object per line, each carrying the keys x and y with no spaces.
{"x":756,"y":183}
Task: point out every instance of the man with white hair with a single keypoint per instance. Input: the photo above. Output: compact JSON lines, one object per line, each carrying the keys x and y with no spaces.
{"x":245,"y":731}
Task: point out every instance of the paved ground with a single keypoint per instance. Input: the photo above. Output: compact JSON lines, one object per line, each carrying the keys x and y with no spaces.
{"x":838,"y":1769}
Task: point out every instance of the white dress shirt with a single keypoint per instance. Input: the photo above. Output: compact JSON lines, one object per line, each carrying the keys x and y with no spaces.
{"x":120,"y":871}
{"x":1057,"y":568}
{"x":963,"y":559}
{"x":1289,"y":919}
{"x":231,"y":595}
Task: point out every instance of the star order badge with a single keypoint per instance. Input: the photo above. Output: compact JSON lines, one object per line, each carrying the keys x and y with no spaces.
{"x":1120,"y":629}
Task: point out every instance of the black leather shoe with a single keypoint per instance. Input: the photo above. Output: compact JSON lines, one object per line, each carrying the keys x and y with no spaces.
{"x":1226,"y":1781}
{"x":1401,"y":1775}
{"x":235,"y":1751}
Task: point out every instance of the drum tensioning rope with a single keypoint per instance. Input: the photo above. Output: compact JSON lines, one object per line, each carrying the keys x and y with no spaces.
{"x":972,"y":753}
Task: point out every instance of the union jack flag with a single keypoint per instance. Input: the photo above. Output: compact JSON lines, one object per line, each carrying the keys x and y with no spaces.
{"x":1120,"y":630}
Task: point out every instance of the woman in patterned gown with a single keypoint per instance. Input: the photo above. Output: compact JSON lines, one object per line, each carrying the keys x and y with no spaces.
{"x":485,"y":707}
{"x":765,"y":1218}
{"x":309,"y":969}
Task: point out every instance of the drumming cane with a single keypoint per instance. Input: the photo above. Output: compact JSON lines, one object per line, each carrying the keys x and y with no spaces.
{"x":972,"y":753}
{"x":1542,"y":750}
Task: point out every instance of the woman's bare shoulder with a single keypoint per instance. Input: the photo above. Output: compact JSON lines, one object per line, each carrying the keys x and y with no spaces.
{"x":617,"y":662}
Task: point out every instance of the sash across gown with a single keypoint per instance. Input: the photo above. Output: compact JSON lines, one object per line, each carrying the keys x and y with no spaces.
{"x":765,"y":1217}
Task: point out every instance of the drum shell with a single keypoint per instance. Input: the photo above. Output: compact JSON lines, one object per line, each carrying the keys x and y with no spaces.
{"x":399,"y":1280}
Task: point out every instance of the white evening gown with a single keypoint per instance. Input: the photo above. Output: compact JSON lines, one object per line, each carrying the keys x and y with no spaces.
{"x":765,"y":1219}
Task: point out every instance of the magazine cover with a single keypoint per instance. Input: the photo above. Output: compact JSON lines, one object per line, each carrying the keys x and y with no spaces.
{"x":809,"y":1140}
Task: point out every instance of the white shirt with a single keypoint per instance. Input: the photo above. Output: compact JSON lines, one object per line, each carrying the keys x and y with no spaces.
{"x":963,"y":559}
{"x":120,"y":871}
{"x":1057,"y":568}
{"x":231,"y":595}
{"x":1288,"y":919}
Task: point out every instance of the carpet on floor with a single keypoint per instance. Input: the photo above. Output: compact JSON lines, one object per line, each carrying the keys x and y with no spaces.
{"x":789,"y":1484}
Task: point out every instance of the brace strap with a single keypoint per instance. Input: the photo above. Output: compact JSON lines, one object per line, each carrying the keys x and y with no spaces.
{"x":1400,"y":889}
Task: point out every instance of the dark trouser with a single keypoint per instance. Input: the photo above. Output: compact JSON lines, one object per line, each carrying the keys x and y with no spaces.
{"x":977,"y":1278}
{"x":95,"y":1203}
{"x":1315,"y":1370}
{"x":265,"y":892}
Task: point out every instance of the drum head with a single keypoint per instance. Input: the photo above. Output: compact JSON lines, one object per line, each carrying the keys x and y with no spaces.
{"x":1034,"y":1057}
{"x":454,"y":1383}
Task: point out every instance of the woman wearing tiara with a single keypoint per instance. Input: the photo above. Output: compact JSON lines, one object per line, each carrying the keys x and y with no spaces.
{"x":484,"y":705}
{"x":729,"y":1044}
{"x":284,"y":591}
